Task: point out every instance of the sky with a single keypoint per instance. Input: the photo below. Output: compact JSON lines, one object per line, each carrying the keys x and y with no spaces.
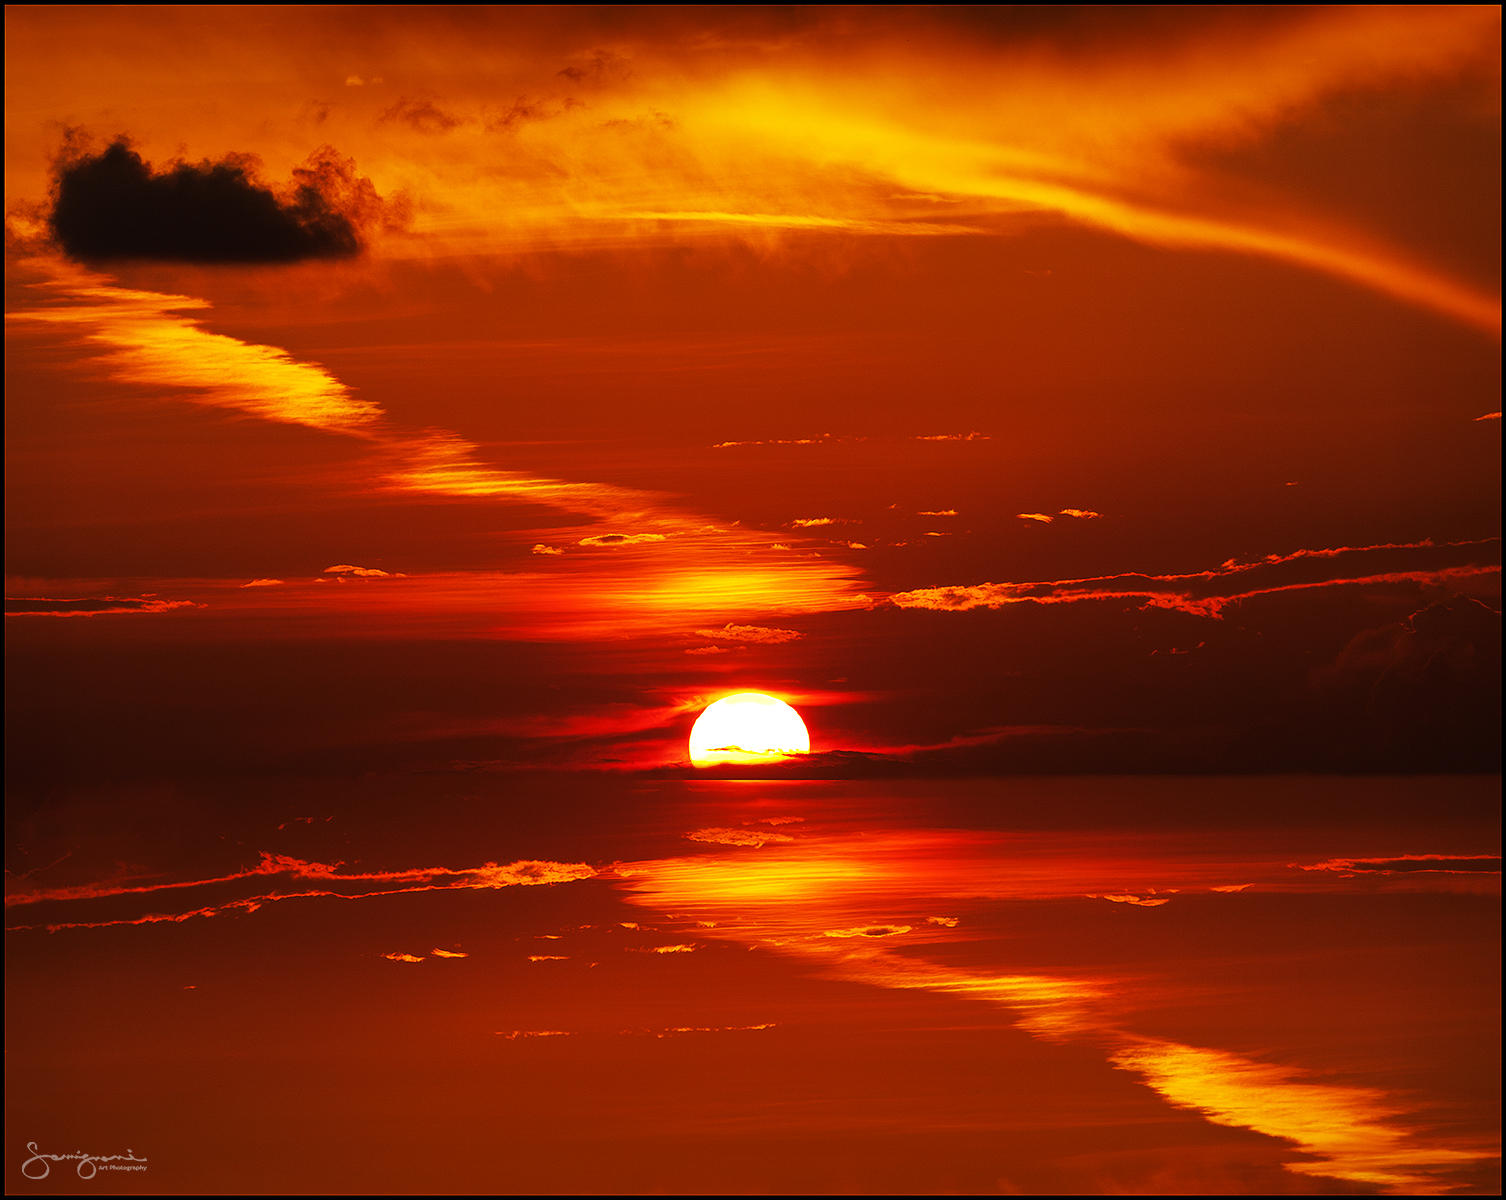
{"x":407,"y":406}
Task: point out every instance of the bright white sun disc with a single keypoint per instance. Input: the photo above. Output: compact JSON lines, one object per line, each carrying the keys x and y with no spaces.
{"x":747,"y":728}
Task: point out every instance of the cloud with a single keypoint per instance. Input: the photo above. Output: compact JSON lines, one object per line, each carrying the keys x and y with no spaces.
{"x":677,"y":948}
{"x":114,"y":205}
{"x":91,"y":606}
{"x":1082,"y":514}
{"x":937,"y":512}
{"x":396,"y":956}
{"x":438,"y":953}
{"x":259,"y":583}
{"x":541,"y":548}
{"x":759,"y":634}
{"x":755,"y":838}
{"x":811,"y":522}
{"x":422,"y":115}
{"x":809,"y":441}
{"x":1409,"y":864}
{"x":351,"y":571}
{"x":621,"y":539}
{"x":679,"y":1029}
{"x":278,"y":877}
{"x":1043,"y":518}
{"x":1208,"y":593}
{"x":513,"y":1035}
{"x":548,"y":958}
{"x":1126,"y":898}
{"x":1490,"y":416}
{"x":944,"y":922}
{"x":1426,"y":688}
{"x":867,"y":931}
{"x":973,"y":436}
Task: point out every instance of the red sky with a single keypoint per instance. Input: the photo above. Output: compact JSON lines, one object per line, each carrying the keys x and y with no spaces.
{"x":1014,"y":391}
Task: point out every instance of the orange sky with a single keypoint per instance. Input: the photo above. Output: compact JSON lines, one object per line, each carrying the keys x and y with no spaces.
{"x":1016,"y":391}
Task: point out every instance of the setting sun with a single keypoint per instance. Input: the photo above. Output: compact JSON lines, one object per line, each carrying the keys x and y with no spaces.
{"x":430,"y":431}
{"x":748,"y":727}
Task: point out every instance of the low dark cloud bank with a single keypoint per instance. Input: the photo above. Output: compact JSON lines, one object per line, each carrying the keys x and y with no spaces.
{"x":115,"y":205}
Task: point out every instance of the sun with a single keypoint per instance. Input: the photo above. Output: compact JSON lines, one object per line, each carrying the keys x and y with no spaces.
{"x":747,"y":728}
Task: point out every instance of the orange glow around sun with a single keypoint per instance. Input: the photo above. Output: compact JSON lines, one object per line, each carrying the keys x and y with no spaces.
{"x":748,"y":727}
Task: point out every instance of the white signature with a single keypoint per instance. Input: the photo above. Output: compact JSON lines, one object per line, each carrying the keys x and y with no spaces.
{"x":88,"y":1164}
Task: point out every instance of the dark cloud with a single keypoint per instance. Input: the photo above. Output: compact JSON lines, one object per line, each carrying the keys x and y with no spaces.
{"x":423,"y":115}
{"x":115,"y":205}
{"x":602,"y":67}
{"x":1423,"y":693}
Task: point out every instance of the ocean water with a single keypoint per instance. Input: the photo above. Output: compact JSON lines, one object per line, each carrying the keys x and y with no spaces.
{"x":617,"y":983}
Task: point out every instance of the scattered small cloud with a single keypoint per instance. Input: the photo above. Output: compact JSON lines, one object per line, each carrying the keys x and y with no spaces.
{"x":1082,"y":514}
{"x":868,"y":931}
{"x":1043,"y":518}
{"x":811,"y":522}
{"x":541,"y":548}
{"x":257,"y":583}
{"x":548,"y":958}
{"x":513,"y":1035}
{"x":806,"y":441}
{"x":937,"y":512}
{"x":755,"y":838}
{"x":1126,"y":898}
{"x":396,"y":956}
{"x":621,"y":539}
{"x":1230,"y":887}
{"x":438,"y":953}
{"x":973,"y":436}
{"x":680,"y":1029}
{"x":751,"y":634}
{"x":678,"y":948}
{"x":349,"y":571}
{"x":1490,"y":416}
{"x":944,"y":922}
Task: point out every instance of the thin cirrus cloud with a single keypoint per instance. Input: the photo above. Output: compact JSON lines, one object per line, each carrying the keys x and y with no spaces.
{"x":1208,"y":593}
{"x":912,"y":125}
{"x":92,"y":606}
{"x":1409,"y":864}
{"x":275,"y":877}
{"x":868,"y":141}
{"x":688,"y":569}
